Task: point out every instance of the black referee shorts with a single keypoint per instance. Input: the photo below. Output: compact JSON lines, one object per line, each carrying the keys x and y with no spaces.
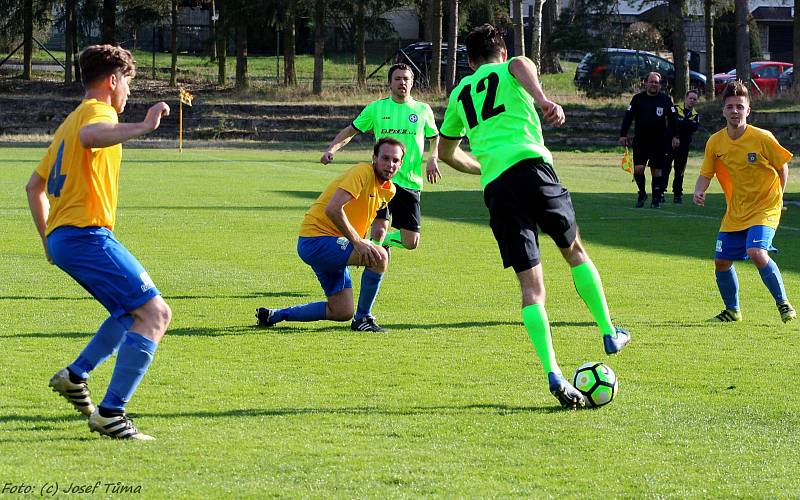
{"x":524,"y":197}
{"x":650,"y":154}
{"x":403,"y":210}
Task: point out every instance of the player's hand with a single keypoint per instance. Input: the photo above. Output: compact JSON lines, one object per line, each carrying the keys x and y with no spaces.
{"x":47,"y":255}
{"x":553,"y":113}
{"x":327,"y":157}
{"x":699,"y":199}
{"x":623,"y":141}
{"x":369,"y":252}
{"x":676,"y":143}
{"x":155,"y":113}
{"x":433,"y":170}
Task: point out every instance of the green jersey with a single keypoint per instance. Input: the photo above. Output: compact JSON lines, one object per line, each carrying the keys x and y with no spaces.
{"x":497,"y":114}
{"x":411,"y":123}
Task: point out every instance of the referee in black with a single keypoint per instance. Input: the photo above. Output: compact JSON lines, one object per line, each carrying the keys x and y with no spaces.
{"x":655,"y":117}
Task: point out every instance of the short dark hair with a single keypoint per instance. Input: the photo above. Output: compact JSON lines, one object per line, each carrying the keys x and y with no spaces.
{"x":100,"y":61}
{"x":735,"y":89}
{"x":484,"y":42}
{"x":401,"y":67}
{"x":656,"y":73}
{"x":388,"y":140}
{"x":692,"y":91}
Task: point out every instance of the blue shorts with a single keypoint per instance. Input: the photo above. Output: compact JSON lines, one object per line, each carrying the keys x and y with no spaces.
{"x":734,"y":245}
{"x":327,"y":256}
{"x":100,"y":264}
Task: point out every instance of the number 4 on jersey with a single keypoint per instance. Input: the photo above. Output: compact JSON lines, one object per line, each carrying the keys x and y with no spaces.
{"x":488,"y":110}
{"x":56,"y":181}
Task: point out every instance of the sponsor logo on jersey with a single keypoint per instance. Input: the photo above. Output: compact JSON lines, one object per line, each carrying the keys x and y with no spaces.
{"x":413,"y":118}
{"x":342,"y":242}
{"x":751,"y":157}
{"x":396,"y":131}
{"x":387,"y":117}
{"x":659,"y":111}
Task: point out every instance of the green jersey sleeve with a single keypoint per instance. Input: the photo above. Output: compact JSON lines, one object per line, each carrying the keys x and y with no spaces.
{"x":452,"y":126}
{"x":430,"y":124}
{"x":365,"y":121}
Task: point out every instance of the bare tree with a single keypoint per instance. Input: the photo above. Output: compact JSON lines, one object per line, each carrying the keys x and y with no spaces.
{"x":289,"y":73}
{"x":108,"y":34}
{"x":452,"y":42}
{"x":519,"y":31}
{"x":69,"y":11}
{"x":242,"y":81}
{"x":708,"y":13}
{"x":221,"y":33}
{"x":535,"y":19}
{"x":27,"y":50}
{"x":319,"y":44}
{"x":435,"y":71}
{"x":550,"y":61}
{"x":796,"y":49}
{"x":173,"y":69}
{"x":361,"y":53}
{"x":680,"y":53}
{"x":742,"y":41}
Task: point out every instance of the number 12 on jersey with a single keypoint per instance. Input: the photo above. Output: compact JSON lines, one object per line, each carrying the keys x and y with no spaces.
{"x":488,"y":110}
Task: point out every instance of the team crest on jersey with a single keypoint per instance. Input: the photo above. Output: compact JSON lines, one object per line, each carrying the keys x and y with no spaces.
{"x":413,"y":118}
{"x":751,"y":157}
{"x":342,"y":242}
{"x":659,"y":111}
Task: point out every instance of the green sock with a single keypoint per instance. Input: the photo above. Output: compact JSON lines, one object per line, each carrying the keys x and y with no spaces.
{"x":394,"y":239}
{"x":534,"y":317}
{"x":590,"y":288}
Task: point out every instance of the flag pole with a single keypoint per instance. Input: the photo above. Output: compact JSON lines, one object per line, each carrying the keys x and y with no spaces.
{"x":180,"y":126}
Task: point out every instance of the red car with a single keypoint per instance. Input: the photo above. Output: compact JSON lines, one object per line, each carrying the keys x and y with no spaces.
{"x":764,"y":73}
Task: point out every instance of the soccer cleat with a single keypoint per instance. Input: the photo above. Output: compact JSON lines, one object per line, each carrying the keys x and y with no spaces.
{"x":366,"y":324}
{"x":677,"y":199}
{"x":77,"y":394}
{"x":787,"y":312}
{"x":656,"y":203}
{"x":726,"y":316}
{"x":265,"y":317}
{"x":565,"y":393}
{"x":116,"y":427}
{"x":614,"y":343}
{"x":640,"y":200}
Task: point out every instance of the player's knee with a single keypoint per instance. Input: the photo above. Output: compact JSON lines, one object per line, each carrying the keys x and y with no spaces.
{"x":340,"y":314}
{"x":722,"y":265}
{"x":759,"y":256}
{"x":411,"y":243}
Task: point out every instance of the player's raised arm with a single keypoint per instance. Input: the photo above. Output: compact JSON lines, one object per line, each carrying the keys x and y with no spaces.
{"x":105,"y":134}
{"x":453,"y":155}
{"x":524,"y":70}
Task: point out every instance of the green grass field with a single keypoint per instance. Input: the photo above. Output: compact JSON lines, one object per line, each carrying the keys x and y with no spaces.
{"x":452,"y":402}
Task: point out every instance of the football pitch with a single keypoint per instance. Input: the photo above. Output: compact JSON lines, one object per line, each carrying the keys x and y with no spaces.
{"x":452,"y":402}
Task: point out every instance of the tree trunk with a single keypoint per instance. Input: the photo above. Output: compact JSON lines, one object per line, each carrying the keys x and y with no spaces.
{"x":550,"y":61}
{"x":680,"y":53}
{"x":212,"y":33}
{"x":242,"y":81}
{"x":742,"y":42}
{"x":222,"y":43}
{"x":535,"y":20}
{"x":708,"y":11}
{"x":519,"y":31}
{"x":435,"y":69}
{"x":289,"y":75}
{"x":319,"y":44}
{"x":69,"y":11}
{"x":452,"y":41}
{"x":173,"y":69}
{"x":361,"y":57}
{"x":108,"y":34}
{"x":27,"y":51}
{"x":75,"y":54}
{"x":427,"y":27}
{"x":796,"y":51}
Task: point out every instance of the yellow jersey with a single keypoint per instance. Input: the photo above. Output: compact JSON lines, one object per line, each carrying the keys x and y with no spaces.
{"x":747,"y":170}
{"x":369,"y":195}
{"x":82,"y":184}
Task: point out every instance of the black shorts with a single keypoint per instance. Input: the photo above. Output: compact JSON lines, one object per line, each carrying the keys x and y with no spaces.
{"x":648,"y":154}
{"x":403,"y":210}
{"x":525,"y":196}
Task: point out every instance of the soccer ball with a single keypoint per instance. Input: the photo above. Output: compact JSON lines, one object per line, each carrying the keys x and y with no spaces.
{"x":597,"y":382}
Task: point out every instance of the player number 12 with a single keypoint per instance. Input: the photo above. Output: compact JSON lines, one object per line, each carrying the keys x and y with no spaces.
{"x":488,"y":110}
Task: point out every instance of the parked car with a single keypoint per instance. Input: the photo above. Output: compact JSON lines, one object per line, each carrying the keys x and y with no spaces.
{"x":627,"y":68}
{"x":765,"y":74}
{"x":418,"y":56}
{"x":786,"y":80}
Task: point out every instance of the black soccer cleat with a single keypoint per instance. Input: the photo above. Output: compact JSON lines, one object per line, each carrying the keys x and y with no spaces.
{"x":565,"y":393}
{"x":612,"y":344}
{"x":640,"y":200}
{"x":265,"y":317}
{"x":677,"y":199}
{"x":366,"y":324}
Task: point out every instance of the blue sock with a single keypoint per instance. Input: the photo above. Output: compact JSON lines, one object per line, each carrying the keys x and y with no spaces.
{"x":135,"y":355}
{"x":728,"y":284}
{"x":313,"y":311}
{"x":104,"y":343}
{"x":771,"y":276}
{"x":370,"y":284}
